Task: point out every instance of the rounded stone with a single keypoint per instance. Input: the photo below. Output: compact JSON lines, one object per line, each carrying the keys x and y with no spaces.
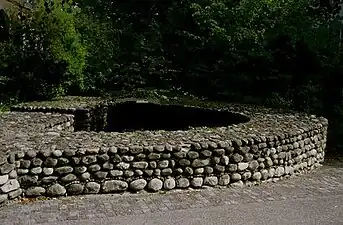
{"x":3,"y":179}
{"x":80,"y":169}
{"x":211,"y":181}
{"x":238,"y":184}
{"x":224,"y":180}
{"x":257,"y":176}
{"x":253,"y":165}
{"x":236,"y":177}
{"x":92,"y":188}
{"x":182,"y":183}
{"x":31,"y":154}
{"x":114,"y":186}
{"x":199,"y":171}
{"x":232,"y":168}
{"x":138,"y":185}
{"x":13,"y":175}
{"x":37,"y":162}
{"x":197,"y":182}
{"x":155,"y":185}
{"x":264,"y":174}
{"x":166,"y":172}
{"x":48,"y":171}
{"x":169,"y":184}
{"x":64,"y":170}
{"x":237,"y":158}
{"x":85,"y":176}
{"x":246,"y":175}
{"x":56,"y":190}
{"x":36,"y":170}
{"x":68,"y":178}
{"x":35,"y":191}
{"x":94,"y":168}
{"x":57,"y":153}
{"x":184,"y":162}
{"x":242,"y":166}
{"x":75,"y":189}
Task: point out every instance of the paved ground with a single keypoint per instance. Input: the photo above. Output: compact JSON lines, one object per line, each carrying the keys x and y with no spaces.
{"x":315,"y":198}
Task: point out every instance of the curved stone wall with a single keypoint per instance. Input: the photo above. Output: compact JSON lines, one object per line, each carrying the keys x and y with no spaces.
{"x":42,"y":156}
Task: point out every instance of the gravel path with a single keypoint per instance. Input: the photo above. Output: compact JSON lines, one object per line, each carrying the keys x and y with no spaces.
{"x":322,"y":190}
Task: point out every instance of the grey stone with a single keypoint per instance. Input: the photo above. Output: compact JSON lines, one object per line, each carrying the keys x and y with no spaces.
{"x":224,"y":180}
{"x":35,"y":191}
{"x":199,"y":171}
{"x":25,"y":163}
{"x":206,"y":153}
{"x":3,"y":179}
{"x":242,"y":166}
{"x":107,"y":166}
{"x":56,"y":190}
{"x":36,"y":170}
{"x":92,"y":188}
{"x":22,"y":171}
{"x":215,"y":160}
{"x":236,"y":177}
{"x":37,"y":162}
{"x":75,"y":160}
{"x":89,"y":159}
{"x":14,"y":194}
{"x":3,"y":198}
{"x":10,"y":185}
{"x":192,"y":155}
{"x":237,"y":158}
{"x":180,"y":154}
{"x":264,"y":174}
{"x":188,"y":171}
{"x":154,"y":156}
{"x":232,"y":168}
{"x":136,"y":150}
{"x":219,"y":168}
{"x":157,"y":172}
{"x":128,"y":158}
{"x":80,"y":169}
{"x":148,"y":172}
{"x":238,"y":184}
{"x":248,"y":157}
{"x":163,"y":164}
{"x":27,"y":180}
{"x":75,"y":189}
{"x":50,"y":162}
{"x":268,"y":162}
{"x":279,"y":171}
{"x":253,"y":165}
{"x":49,"y":180}
{"x":224,"y":160}
{"x":68,"y":178}
{"x":103,"y":158}
{"x":211,"y":181}
{"x":62,"y":162}
{"x":153,"y":164}
{"x":197,"y":182}
{"x":57,"y":153}
{"x":123,"y":166}
{"x":246,"y":175}
{"x":138,"y":185}
{"x":182,"y":183}
{"x":271,"y":172}
{"x":31,"y":154}
{"x":159,"y":148}
{"x":94,"y":168}
{"x":116,"y":173}
{"x":166,"y":172}
{"x":140,"y":165}
{"x":166,"y":155}
{"x":155,"y":185}
{"x":6,"y":168}
{"x":257,"y":176}
{"x":208,"y":170}
{"x":178,"y":171}
{"x":116,"y":158}
{"x":64,"y":170}
{"x":128,"y":173}
{"x":85,"y":176}
{"x":13,"y":174}
{"x":169,"y":184}
{"x":114,"y":186}
{"x":100,"y":175}
{"x":219,"y":152}
{"x":48,"y":171}
{"x":3,"y":159}
{"x":184,"y":162}
{"x":69,"y":153}
{"x":200,"y":163}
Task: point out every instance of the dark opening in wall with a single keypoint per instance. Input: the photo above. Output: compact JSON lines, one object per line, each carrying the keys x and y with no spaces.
{"x":130,"y":116}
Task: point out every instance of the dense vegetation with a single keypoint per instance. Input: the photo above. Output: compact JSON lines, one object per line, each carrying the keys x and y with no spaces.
{"x":284,"y":53}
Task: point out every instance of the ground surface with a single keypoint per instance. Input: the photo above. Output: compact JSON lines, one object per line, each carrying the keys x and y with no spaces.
{"x":315,"y":198}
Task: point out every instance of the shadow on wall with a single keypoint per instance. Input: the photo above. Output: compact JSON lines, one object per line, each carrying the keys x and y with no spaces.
{"x":130,"y":116}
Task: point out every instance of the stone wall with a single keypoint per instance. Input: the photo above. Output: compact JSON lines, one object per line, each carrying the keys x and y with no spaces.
{"x":54,"y":161}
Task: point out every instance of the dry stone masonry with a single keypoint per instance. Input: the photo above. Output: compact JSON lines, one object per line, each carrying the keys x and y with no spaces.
{"x":42,"y":155}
